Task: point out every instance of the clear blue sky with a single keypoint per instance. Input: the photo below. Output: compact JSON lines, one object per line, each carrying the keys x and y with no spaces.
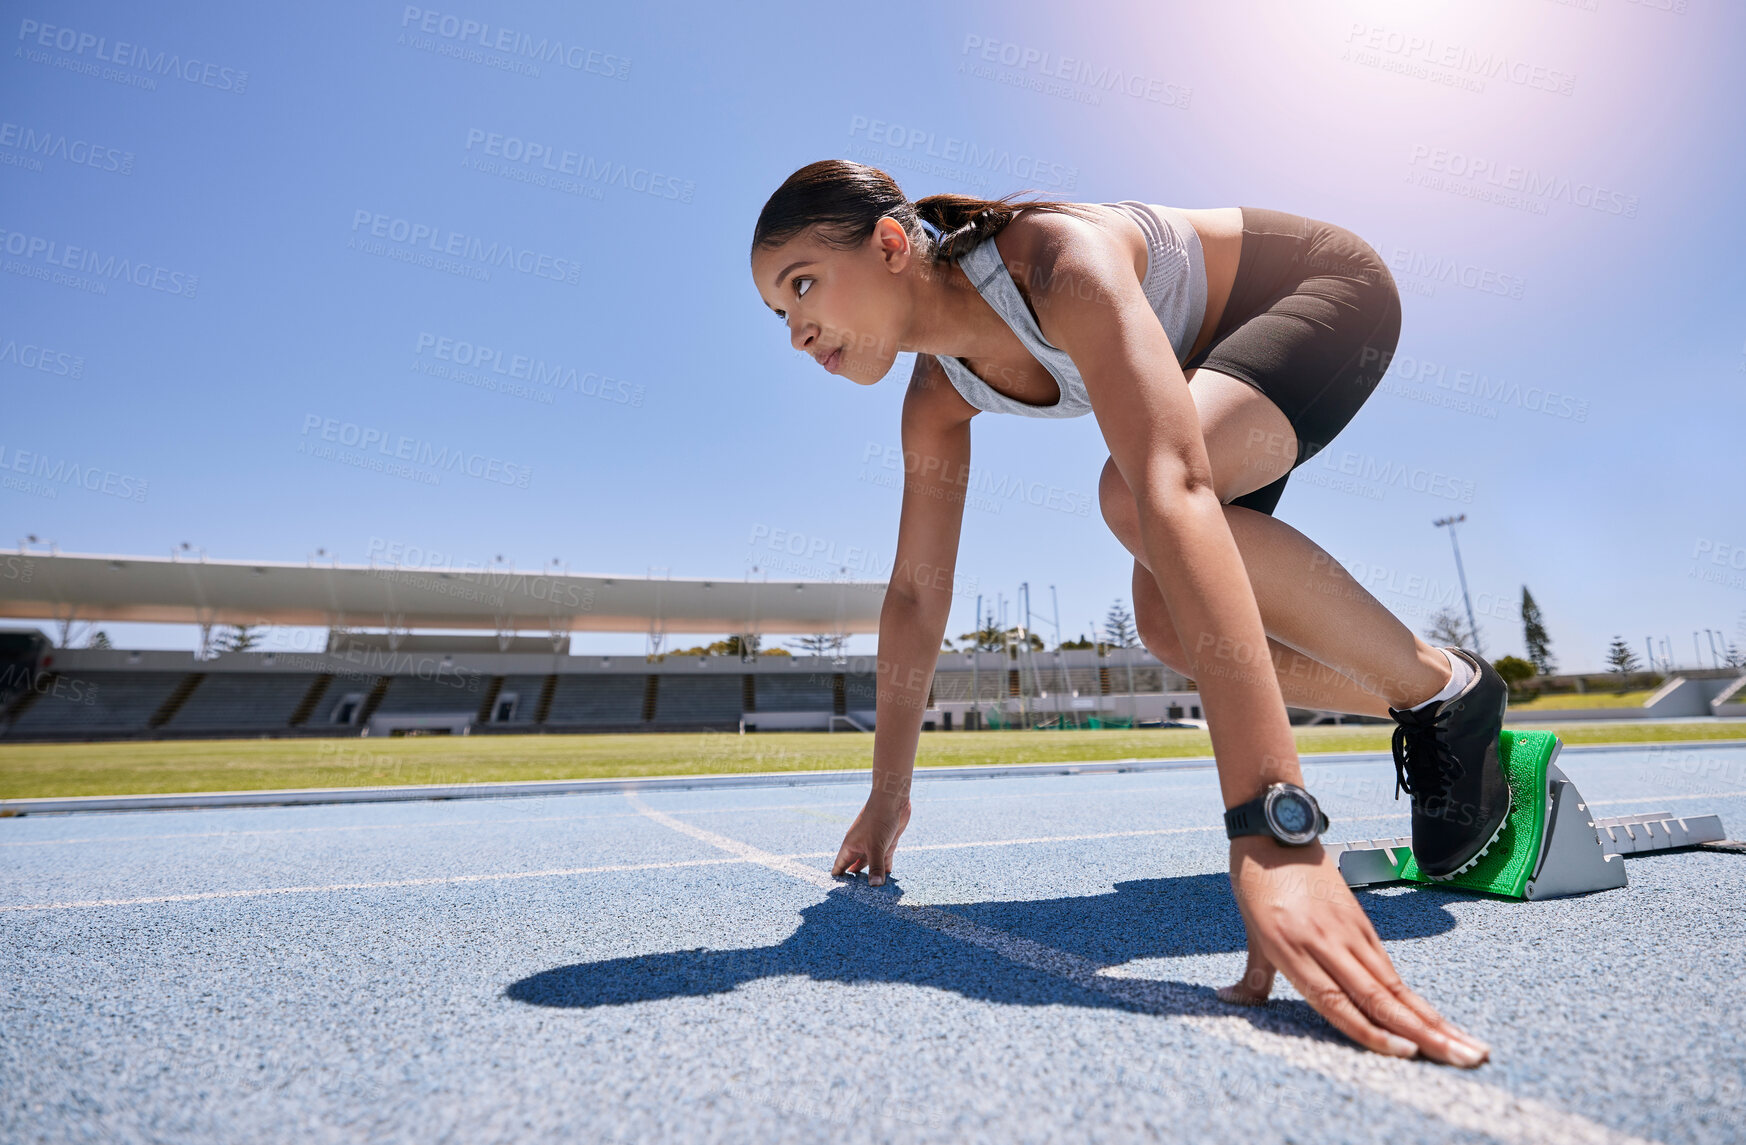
{"x":1557,"y":186}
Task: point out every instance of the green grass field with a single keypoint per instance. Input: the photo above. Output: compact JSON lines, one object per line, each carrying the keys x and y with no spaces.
{"x":34,"y":770}
{"x":1563,"y":700}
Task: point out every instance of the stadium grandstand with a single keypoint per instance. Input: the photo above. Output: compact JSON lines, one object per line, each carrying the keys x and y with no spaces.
{"x":444,"y":651}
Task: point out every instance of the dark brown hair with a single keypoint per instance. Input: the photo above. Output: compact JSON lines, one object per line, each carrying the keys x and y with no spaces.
{"x":843,"y":199}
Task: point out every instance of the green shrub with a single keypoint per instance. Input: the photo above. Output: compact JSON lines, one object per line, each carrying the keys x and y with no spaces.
{"x":1516,"y":671}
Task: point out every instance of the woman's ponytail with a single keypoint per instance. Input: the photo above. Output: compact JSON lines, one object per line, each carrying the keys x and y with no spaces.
{"x":845,"y":199}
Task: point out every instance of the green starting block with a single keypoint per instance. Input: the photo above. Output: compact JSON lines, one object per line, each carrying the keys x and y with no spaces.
{"x":1550,"y":846}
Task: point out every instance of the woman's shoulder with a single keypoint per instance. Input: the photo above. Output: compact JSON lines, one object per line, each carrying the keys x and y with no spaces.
{"x":1039,"y":234}
{"x":1082,"y":254}
{"x":932,"y":397}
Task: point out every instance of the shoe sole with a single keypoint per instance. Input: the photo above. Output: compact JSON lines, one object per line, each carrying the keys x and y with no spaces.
{"x":1509,"y":804}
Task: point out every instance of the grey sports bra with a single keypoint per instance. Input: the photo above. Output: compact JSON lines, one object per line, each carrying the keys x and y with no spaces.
{"x":1175,"y":285}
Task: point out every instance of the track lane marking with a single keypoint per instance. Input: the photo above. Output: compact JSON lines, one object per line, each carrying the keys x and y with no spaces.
{"x":1465,"y":1104}
{"x":1432,"y":1090}
{"x":556,"y":873}
{"x":440,"y":880}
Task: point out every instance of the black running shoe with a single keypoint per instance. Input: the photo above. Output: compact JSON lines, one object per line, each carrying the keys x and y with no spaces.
{"x":1445,"y":757}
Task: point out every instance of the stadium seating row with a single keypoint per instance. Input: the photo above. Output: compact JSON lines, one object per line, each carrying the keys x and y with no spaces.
{"x":121,"y":703}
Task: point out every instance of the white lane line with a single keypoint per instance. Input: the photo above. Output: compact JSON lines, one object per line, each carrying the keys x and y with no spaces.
{"x":446,"y":880}
{"x":251,"y":831}
{"x":904,"y":848}
{"x":810,"y":805}
{"x":744,"y":851}
{"x":1432,"y":1090}
{"x":980,"y":843}
{"x":452,"y":823}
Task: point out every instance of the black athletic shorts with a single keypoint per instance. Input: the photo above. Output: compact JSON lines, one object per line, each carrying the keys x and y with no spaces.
{"x":1311,"y":322}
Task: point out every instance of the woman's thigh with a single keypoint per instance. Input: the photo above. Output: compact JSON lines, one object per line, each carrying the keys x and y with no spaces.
{"x":1249,"y":445}
{"x":1311,"y":323}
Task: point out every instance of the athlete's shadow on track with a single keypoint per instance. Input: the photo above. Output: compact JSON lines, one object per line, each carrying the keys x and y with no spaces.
{"x":842,"y":940}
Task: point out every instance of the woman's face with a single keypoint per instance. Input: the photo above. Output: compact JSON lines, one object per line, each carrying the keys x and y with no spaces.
{"x":847,"y":308}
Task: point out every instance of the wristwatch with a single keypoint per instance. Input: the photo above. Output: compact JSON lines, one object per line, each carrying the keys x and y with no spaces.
{"x":1285,"y":811}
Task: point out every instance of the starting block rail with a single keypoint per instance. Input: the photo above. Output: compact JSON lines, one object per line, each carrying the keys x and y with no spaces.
{"x":1652,"y":831}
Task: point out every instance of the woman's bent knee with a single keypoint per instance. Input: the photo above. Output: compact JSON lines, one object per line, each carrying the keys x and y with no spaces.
{"x":1115,"y":498}
{"x":1155,"y":628}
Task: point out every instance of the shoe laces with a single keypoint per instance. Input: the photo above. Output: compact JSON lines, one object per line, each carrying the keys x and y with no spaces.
{"x":1424,"y":763}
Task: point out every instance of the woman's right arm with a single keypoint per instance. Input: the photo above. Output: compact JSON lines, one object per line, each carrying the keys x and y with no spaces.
{"x":918,"y":602}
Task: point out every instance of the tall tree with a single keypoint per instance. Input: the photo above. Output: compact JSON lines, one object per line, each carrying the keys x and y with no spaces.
{"x":819,"y":643}
{"x":1621,"y":659}
{"x":1534,"y":635}
{"x":1118,"y":626}
{"x":239,"y":638}
{"x":987,"y":636}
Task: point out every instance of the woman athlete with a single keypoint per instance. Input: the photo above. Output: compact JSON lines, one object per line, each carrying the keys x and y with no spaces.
{"x":1218,"y":349}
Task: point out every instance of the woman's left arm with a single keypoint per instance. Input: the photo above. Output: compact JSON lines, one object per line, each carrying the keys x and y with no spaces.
{"x":1300,"y":915}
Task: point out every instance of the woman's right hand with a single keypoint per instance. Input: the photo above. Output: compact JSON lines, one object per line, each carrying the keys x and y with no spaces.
{"x":1303,"y":920}
{"x":872,"y":838}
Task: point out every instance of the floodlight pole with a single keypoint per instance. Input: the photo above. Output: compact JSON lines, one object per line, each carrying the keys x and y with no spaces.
{"x":1472,"y":625}
{"x":976,"y":664}
{"x":1061,"y":659}
{"x":1024,"y":654}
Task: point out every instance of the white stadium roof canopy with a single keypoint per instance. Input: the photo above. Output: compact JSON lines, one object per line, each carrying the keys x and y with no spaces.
{"x":70,"y":587}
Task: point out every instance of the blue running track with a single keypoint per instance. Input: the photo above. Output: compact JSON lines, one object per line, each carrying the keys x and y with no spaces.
{"x":679,"y":966}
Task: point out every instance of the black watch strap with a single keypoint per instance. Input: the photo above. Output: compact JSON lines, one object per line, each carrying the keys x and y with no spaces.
{"x":1248,"y":819}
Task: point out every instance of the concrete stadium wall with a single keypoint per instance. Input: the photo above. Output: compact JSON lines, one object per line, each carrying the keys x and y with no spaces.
{"x":1679,"y":698}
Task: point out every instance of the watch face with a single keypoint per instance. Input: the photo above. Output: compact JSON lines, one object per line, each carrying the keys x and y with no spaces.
{"x":1292,"y":814}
